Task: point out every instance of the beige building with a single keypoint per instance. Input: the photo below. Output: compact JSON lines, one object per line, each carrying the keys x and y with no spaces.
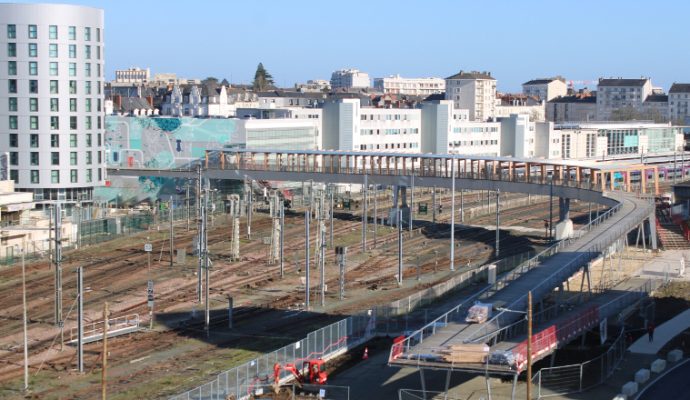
{"x":545,"y":89}
{"x":474,"y":91}
{"x":679,"y":102}
{"x":614,"y":95}
{"x":579,"y":107}
{"x":395,"y":84}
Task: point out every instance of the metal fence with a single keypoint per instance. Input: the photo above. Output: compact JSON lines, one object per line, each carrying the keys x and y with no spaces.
{"x":555,"y":381}
{"x":325,"y":343}
{"x":299,"y":392}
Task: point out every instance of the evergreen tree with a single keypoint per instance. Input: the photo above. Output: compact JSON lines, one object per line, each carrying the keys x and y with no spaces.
{"x":262,"y":79}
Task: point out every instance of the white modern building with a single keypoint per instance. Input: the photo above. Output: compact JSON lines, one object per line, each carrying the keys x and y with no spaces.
{"x":509,"y":104}
{"x":545,"y":89}
{"x":51,"y":99}
{"x":347,"y":126}
{"x":314,"y":85}
{"x":448,"y":130}
{"x":618,"y":94}
{"x":518,"y":135}
{"x":350,"y":79}
{"x":679,"y":103}
{"x":473,"y":91}
{"x":605,"y":140}
{"x":395,"y":84}
{"x":133,"y":75}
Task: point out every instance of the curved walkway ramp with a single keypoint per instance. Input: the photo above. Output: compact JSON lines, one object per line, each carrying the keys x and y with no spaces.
{"x":425,"y":347}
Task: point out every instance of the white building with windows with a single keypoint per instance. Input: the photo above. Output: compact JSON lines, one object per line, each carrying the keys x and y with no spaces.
{"x":679,"y":103}
{"x":347,"y":126}
{"x":51,"y":100}
{"x":473,"y":91}
{"x":350,"y":79}
{"x":395,"y":84}
{"x":545,"y":89}
{"x":605,"y":140}
{"x":616,"y":94}
{"x":133,"y":75}
{"x":518,"y":136}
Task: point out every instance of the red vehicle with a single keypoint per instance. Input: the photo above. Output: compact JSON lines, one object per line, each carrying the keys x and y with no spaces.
{"x":312,"y":372}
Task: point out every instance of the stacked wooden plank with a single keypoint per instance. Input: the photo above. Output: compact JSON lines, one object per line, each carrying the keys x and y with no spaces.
{"x":465,"y":353}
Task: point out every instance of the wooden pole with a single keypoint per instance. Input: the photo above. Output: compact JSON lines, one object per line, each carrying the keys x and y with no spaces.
{"x":104,"y":374}
{"x":529,"y":345}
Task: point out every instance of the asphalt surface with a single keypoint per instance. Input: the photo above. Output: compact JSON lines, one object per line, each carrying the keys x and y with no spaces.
{"x":674,"y":385}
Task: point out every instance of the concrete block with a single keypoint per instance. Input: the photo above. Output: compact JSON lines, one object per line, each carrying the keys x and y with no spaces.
{"x":629,"y":389}
{"x":620,"y":397}
{"x":642,"y":375}
{"x":674,"y":355}
{"x":658,"y":365}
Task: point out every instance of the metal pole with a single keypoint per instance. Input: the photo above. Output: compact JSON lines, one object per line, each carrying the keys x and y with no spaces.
{"x":80,"y":319}
{"x":58,"y":264}
{"x":322,"y":257}
{"x":529,"y":345}
{"x":306,"y":258}
{"x":675,"y":169}
{"x":376,"y":214}
{"x":551,"y":210}
{"x":330,"y":225}
{"x":433,"y":205}
{"x":411,"y":201}
{"x":498,"y":221}
{"x":282,"y":230}
{"x":104,"y":371}
{"x":200,"y":230}
{"x":249,"y":210}
{"x":207,"y":316}
{"x":172,"y":232}
{"x":452,"y":215}
{"x":400,"y":249}
{"x":364,"y":215}
{"x":462,"y":205}
{"x":26,"y":339}
{"x":187,"y":204}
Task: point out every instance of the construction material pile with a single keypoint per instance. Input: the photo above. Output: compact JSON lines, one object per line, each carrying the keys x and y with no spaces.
{"x":465,"y":353}
{"x":479,"y":312}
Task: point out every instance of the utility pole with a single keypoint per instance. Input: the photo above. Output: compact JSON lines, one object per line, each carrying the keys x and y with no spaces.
{"x":282,"y":238}
{"x":452,"y":215}
{"x":376,"y":214}
{"x":207,"y":316}
{"x":322,"y":257}
{"x":26,"y":339}
{"x":400,"y":248}
{"x":341,"y":254}
{"x":250,"y":206}
{"x":306,"y":257}
{"x":411,"y":201}
{"x":462,"y":206}
{"x":187,"y":205}
{"x":330,"y":216}
{"x":104,"y":373}
{"x":551,"y":209}
{"x":529,"y":345}
{"x":433,"y":205}
{"x":498,"y":221}
{"x":80,"y":319}
{"x":58,"y":265}
{"x":364,"y":215}
{"x":172,"y":232}
{"x":200,"y":230}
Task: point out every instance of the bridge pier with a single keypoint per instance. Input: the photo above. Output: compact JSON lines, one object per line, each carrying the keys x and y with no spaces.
{"x":399,"y":194}
{"x":564,"y":226}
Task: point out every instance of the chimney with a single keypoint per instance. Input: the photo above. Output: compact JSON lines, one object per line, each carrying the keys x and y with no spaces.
{"x":117,"y":102}
{"x":149,"y":99}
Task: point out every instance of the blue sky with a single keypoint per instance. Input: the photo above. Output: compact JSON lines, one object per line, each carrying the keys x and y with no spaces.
{"x":300,"y":40}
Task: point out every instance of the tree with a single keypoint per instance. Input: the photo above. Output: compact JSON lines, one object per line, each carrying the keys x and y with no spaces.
{"x":262,"y":79}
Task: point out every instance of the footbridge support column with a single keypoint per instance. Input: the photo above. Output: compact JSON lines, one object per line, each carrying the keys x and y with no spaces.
{"x":564,"y":226}
{"x":399,"y":194}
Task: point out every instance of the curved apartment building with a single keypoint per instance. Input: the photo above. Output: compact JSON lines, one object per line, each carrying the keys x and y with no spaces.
{"x":51,"y":99}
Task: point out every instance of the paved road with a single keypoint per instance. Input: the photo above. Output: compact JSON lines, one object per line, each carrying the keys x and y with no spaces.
{"x":674,"y":385}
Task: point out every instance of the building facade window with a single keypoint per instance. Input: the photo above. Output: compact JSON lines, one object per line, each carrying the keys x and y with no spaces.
{"x":33,"y":140}
{"x":73,"y":104}
{"x":52,"y":32}
{"x":14,"y":158}
{"x":53,"y":50}
{"x":54,"y":104}
{"x":54,"y":140}
{"x":54,"y":87}
{"x":73,"y":177}
{"x":14,"y":140}
{"x":54,"y":176}
{"x":73,"y":123}
{"x":72,"y":69}
{"x":72,"y":87}
{"x":53,"y":69}
{"x":87,"y":52}
{"x":72,"y":140}
{"x":89,"y":176}
{"x":88,"y":140}
{"x":33,"y":68}
{"x":87,"y":70}
{"x":54,"y":123}
{"x":54,"y":158}
{"x":11,"y":68}
{"x":33,"y":50}
{"x":34,"y":176}
{"x":87,"y":87}
{"x":11,"y":31}
{"x":33,"y":32}
{"x":33,"y":123}
{"x":72,"y":33}
{"x":11,"y":49}
{"x":12,"y":119}
{"x":14,"y":175}
{"x":12,"y":104}
{"x":87,"y":105}
{"x":12,"y":86}
{"x":73,"y":158}
{"x":33,"y":86}
{"x":33,"y":104}
{"x":72,"y":51}
{"x":87,"y":34}
{"x":33,"y":158}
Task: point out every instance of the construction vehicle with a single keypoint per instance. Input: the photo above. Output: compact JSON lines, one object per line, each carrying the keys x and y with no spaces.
{"x":312,"y":372}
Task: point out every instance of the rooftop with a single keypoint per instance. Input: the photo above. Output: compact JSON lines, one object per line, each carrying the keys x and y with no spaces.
{"x":574,"y":99}
{"x":613,"y":82}
{"x":656,"y":98}
{"x":543,"y":81}
{"x":472,"y":75}
{"x":680,"y":88}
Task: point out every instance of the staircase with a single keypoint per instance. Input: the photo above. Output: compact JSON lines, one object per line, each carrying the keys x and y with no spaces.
{"x":670,"y":234}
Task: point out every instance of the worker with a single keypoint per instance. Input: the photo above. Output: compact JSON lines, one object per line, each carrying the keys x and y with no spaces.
{"x":650,"y":331}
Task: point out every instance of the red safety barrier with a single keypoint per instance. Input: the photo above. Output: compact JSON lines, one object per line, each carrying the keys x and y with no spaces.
{"x":130,"y":161}
{"x":397,"y":349}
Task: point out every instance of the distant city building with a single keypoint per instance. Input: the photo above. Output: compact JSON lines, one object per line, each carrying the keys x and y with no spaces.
{"x":678,"y":102}
{"x":206,"y":101}
{"x":573,"y":108}
{"x":518,"y":136}
{"x":348,"y":126}
{"x":545,"y":89}
{"x":474,"y":91}
{"x":315,"y":85}
{"x":284,"y":98}
{"x":605,"y":140}
{"x":448,"y":130}
{"x":508,"y":104}
{"x":133,"y":75}
{"x":170,"y":79}
{"x":349,"y":79}
{"x":395,"y":84}
{"x":52,"y":70}
{"x":618,"y":95}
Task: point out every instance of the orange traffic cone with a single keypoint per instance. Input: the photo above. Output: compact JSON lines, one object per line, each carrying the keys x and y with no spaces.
{"x":365,"y":356}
